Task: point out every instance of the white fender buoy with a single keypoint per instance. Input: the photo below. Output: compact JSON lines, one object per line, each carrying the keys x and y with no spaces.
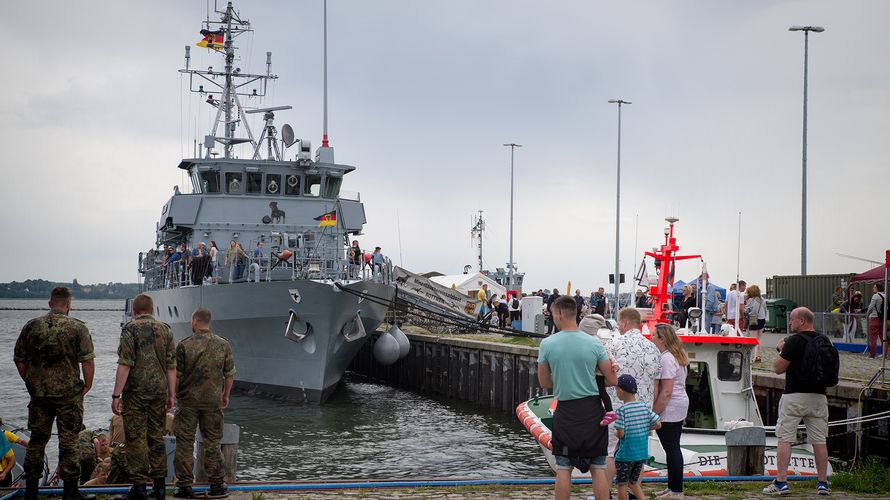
{"x":402,"y":339}
{"x":386,"y":349}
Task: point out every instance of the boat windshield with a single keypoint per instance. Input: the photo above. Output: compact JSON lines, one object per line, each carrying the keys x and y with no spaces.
{"x":313,"y":185}
{"x":210,"y":182}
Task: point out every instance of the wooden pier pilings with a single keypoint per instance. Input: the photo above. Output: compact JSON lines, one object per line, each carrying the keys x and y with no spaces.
{"x":493,"y":375}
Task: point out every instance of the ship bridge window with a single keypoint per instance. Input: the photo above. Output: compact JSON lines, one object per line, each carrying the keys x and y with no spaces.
{"x":729,"y":366}
{"x":233,"y":183}
{"x":313,"y":185}
{"x":273,"y":183}
{"x":332,"y":187}
{"x":292,"y":185}
{"x":701,"y":404}
{"x":254,"y":182}
{"x":210,"y":182}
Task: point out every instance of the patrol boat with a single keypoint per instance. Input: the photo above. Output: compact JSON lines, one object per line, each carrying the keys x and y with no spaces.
{"x":719,"y":385}
{"x":297,"y":315}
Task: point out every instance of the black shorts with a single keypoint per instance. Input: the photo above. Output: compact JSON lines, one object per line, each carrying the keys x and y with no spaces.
{"x":628,"y":472}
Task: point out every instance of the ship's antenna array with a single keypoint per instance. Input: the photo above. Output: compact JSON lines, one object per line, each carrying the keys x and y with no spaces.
{"x":476,"y":233}
{"x":219,"y":36}
{"x":324,"y":137}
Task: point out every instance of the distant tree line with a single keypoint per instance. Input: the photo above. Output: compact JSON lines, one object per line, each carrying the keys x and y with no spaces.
{"x":40,"y":289}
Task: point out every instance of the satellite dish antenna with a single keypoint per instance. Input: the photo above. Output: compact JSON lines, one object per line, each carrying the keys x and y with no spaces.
{"x":287,"y":135}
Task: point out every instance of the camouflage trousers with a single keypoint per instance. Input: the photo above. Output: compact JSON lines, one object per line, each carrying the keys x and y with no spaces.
{"x":144,"y":419}
{"x":184,"y":425}
{"x":68,"y":415}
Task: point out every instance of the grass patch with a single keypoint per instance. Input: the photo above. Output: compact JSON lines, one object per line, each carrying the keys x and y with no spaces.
{"x":257,"y":495}
{"x":870,"y":476}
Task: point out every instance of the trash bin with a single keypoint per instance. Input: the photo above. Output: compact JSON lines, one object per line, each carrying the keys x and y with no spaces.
{"x":777,"y":314}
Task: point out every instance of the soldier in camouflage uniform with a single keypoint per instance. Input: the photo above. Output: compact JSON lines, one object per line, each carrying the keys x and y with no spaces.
{"x":47,"y":354}
{"x":145,"y":386}
{"x":205,"y":369}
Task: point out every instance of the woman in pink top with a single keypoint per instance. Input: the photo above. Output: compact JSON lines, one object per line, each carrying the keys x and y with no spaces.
{"x":671,"y":404}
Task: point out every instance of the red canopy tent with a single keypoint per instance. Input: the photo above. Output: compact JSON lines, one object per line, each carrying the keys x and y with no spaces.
{"x":870,"y":276}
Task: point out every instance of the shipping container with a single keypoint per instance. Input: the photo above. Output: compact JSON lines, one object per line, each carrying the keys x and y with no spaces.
{"x":813,"y":291}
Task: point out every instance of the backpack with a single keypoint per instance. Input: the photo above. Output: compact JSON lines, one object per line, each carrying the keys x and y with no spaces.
{"x":881,"y":307}
{"x":821,"y":362}
{"x":515,"y":303}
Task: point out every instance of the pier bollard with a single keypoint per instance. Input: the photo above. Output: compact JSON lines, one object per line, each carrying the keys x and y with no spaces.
{"x":229,"y":445}
{"x":745,"y":448}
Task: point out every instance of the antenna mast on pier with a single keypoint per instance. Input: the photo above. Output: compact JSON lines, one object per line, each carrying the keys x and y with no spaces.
{"x":476,"y":232}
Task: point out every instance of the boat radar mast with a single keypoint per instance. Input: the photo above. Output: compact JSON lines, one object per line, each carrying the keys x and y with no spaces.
{"x":665,"y":261}
{"x":220,"y":36}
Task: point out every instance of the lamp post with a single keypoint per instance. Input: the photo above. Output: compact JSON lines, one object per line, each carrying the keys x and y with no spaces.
{"x":513,"y":147}
{"x":619,"y":102}
{"x":803,"y":217}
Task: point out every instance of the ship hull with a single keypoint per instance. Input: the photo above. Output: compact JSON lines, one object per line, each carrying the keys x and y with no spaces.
{"x":253,"y":317}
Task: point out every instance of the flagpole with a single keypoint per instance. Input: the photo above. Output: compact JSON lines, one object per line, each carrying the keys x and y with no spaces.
{"x":738,"y":253}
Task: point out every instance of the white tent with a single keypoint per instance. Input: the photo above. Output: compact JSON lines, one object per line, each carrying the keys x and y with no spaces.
{"x":469,"y":284}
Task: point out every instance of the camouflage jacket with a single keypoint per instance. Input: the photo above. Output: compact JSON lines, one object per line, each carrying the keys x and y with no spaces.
{"x":203,"y":361}
{"x":52,"y":347}
{"x":147,"y":347}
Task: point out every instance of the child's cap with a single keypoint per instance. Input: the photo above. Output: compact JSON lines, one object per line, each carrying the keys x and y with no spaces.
{"x":627,"y":383}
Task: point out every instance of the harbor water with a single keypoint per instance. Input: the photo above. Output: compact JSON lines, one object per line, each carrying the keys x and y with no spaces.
{"x":365,"y":431}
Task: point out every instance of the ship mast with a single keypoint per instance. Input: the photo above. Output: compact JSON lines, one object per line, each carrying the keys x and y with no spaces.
{"x":219,"y":36}
{"x":476,"y":232}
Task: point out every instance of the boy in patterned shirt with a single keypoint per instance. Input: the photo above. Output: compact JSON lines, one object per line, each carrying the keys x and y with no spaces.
{"x":634,"y":421}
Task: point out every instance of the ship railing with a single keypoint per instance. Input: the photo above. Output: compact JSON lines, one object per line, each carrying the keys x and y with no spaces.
{"x":203,"y":272}
{"x":848,"y":328}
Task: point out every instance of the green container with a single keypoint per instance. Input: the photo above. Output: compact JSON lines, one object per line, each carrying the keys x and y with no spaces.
{"x":778,"y":311}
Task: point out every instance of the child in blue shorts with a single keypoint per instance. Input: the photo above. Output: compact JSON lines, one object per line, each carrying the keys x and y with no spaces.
{"x":632,"y":426}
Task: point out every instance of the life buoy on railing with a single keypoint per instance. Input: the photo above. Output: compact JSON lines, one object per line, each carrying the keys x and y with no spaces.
{"x":292,"y":180}
{"x":273,"y":187}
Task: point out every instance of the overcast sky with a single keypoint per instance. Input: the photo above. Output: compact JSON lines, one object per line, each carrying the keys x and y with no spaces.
{"x":94,"y":119}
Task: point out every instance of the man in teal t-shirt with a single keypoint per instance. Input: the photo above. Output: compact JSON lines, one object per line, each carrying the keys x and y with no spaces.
{"x":567,"y":362}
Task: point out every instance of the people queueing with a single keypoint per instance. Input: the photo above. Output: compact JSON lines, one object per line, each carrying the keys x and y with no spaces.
{"x":205,"y":370}
{"x":378,"y":262}
{"x":51,"y":354}
{"x":632,"y":425}
{"x":354,"y":257}
{"x":144,"y":390}
{"x":803,"y":398}
{"x":567,"y":362}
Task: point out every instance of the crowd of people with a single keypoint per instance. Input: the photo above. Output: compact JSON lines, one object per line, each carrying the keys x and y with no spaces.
{"x":55,"y":358}
{"x":629,"y":385}
{"x":175,"y":265}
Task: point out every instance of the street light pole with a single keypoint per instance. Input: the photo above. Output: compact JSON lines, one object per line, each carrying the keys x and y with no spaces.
{"x":619,"y":102}
{"x":803,"y":217}
{"x":513,"y":147}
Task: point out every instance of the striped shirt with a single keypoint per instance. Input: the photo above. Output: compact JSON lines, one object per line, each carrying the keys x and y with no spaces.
{"x":636,"y":419}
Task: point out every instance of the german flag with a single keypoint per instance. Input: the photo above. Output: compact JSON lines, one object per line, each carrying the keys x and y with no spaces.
{"x":327,"y":220}
{"x":212,"y":40}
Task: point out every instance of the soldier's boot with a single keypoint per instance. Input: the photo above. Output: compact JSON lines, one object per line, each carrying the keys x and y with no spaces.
{"x":184,"y":492}
{"x":71,"y":491}
{"x":218,"y":490}
{"x":136,"y":492}
{"x":158,"y":490}
{"x":31,"y":488}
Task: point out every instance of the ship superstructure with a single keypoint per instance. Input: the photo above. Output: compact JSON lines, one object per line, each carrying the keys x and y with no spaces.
{"x":283,"y":288}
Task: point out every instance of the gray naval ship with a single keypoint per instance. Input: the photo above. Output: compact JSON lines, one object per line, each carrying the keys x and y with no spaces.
{"x":297,"y":312}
